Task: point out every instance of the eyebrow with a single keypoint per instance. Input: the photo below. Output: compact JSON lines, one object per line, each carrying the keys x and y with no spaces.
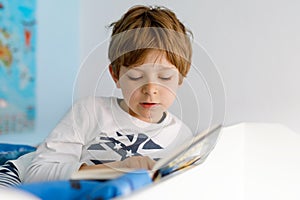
{"x":168,"y":69}
{"x":161,"y":67}
{"x":135,"y":69}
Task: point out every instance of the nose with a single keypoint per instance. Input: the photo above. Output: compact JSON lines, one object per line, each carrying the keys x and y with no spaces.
{"x":150,"y":89}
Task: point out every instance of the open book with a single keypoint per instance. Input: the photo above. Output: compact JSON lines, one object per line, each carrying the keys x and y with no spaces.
{"x":187,"y":155}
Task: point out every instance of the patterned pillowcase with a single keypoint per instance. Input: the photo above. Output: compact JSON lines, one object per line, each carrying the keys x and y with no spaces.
{"x":13,"y":151}
{"x":9,"y":175}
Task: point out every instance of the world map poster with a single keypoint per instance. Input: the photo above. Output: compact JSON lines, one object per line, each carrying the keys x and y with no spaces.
{"x":17,"y":65}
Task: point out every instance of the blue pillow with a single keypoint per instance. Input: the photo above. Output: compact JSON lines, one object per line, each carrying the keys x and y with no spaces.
{"x":13,"y":151}
{"x":84,"y":189}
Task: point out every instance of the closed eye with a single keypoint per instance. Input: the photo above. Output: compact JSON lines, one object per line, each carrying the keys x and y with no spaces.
{"x":166,"y":78}
{"x":134,"y":78}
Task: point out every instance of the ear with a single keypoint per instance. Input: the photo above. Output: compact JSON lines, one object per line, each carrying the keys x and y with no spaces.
{"x":180,"y":81}
{"x":114,"y":76}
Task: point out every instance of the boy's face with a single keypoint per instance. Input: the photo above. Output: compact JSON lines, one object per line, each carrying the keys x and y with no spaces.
{"x":149,"y":89}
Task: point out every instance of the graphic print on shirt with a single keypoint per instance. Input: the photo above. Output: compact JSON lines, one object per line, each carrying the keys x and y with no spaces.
{"x":122,"y":146}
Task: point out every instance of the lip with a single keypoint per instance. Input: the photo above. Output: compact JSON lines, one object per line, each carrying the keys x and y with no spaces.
{"x":148,"y":104}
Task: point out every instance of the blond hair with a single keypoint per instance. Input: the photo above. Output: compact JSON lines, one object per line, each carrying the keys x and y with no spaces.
{"x":142,"y":29}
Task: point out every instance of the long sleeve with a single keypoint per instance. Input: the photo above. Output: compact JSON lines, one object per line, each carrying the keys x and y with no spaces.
{"x":97,"y":130}
{"x":59,"y":156}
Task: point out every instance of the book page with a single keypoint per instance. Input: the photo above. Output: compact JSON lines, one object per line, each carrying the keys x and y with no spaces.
{"x":188,"y":153}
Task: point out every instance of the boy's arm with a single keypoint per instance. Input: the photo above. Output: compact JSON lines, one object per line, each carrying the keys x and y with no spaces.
{"x":59,"y":156}
{"x":47,"y":166}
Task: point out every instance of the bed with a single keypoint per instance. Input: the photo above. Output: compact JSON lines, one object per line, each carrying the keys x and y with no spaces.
{"x":15,"y":157}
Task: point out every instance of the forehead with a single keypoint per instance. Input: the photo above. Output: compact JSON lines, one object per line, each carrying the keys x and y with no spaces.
{"x":156,"y":58}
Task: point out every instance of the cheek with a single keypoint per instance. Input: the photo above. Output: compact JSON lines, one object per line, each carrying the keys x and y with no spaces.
{"x":130,"y":92}
{"x":170,"y":86}
{"x":168,"y":95}
{"x":169,"y":89}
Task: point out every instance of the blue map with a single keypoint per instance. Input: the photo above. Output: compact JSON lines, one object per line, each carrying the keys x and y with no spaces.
{"x":17,"y":65}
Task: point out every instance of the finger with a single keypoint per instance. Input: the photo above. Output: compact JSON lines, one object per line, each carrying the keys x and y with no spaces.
{"x":151,"y":163}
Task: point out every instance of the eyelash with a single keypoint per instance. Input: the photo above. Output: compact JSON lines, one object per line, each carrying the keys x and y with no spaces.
{"x":134,"y":78}
{"x":165,"y":78}
{"x":162,"y":78}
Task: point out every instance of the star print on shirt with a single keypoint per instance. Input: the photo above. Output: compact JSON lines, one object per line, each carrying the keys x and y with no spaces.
{"x":129,"y":153}
{"x":124,"y":145}
{"x":117,"y":146}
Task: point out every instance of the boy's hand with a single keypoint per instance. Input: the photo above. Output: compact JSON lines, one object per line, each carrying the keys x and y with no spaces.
{"x":135,"y":162}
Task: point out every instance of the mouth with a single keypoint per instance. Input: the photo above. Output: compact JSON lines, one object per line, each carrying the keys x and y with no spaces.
{"x":148,"y":105}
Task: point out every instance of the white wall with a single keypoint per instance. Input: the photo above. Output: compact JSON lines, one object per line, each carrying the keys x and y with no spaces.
{"x":255,"y":44}
{"x":57,"y":63}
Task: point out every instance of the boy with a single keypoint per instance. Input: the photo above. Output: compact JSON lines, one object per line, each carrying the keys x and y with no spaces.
{"x":150,"y":53}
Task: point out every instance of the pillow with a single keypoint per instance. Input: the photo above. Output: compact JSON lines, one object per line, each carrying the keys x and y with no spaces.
{"x":86,"y":189}
{"x":13,"y":151}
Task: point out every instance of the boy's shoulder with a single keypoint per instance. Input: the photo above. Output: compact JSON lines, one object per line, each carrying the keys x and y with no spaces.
{"x":183,"y":127}
{"x":175,"y":118}
{"x":90,"y":103}
{"x":95,"y":99}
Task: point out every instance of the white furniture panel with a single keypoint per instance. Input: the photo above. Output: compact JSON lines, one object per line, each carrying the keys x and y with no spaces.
{"x":250,"y":161}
